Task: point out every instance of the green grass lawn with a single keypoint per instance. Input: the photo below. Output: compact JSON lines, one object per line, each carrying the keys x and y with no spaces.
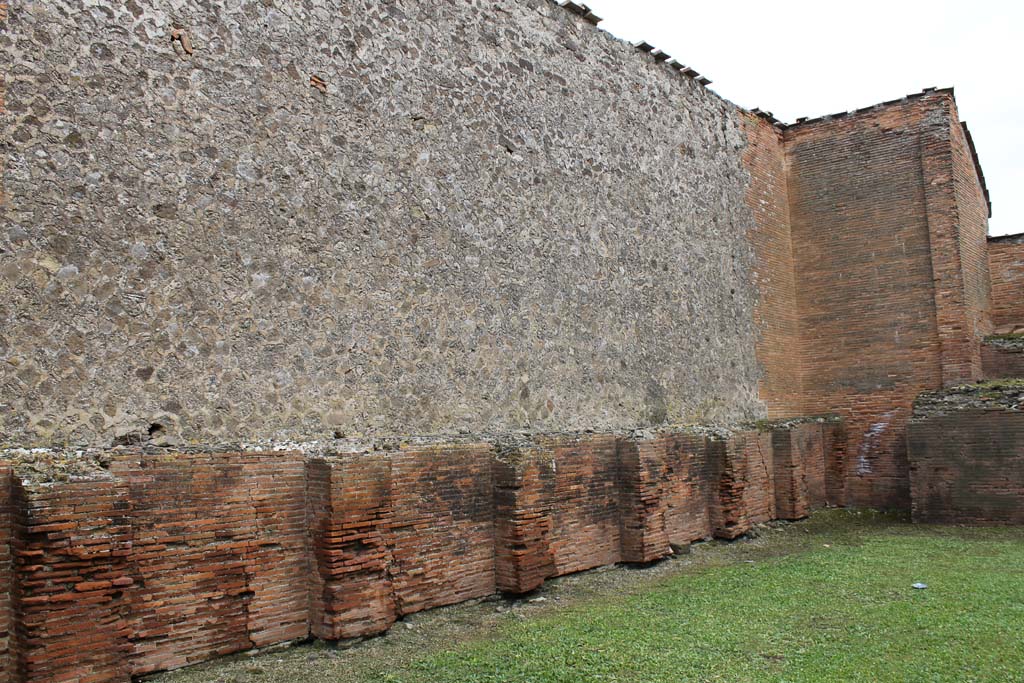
{"x":783,"y":607}
{"x":845,"y":613}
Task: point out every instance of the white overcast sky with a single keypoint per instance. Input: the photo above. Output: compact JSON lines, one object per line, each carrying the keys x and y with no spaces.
{"x":802,"y":58}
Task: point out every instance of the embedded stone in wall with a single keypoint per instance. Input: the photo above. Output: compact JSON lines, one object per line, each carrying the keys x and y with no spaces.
{"x":966,"y":449}
{"x":251,"y":281}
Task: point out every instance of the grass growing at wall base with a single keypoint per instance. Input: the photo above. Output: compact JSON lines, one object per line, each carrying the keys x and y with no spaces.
{"x":845,"y":613}
{"x":827,"y":599}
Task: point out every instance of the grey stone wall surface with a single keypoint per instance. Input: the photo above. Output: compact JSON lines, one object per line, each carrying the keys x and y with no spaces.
{"x":490,"y":216}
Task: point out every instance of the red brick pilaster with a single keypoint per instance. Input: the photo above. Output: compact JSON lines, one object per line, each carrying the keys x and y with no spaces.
{"x":349,"y":517}
{"x":956,"y":334}
{"x":71,"y":548}
{"x":6,"y":574}
{"x":523,"y":490}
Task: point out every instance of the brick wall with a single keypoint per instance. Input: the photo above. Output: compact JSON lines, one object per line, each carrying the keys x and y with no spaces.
{"x":887,"y":231}
{"x":741,"y":481}
{"x":349,"y":508}
{"x":688,"y":489}
{"x":776,"y":311}
{"x":585,"y":534}
{"x":799,"y":471}
{"x":1006,"y":265}
{"x":541,"y":534}
{"x":667,"y":493}
{"x":218,"y":554}
{"x":170,"y":558}
{"x":523,"y":494}
{"x":1001,"y":361}
{"x":967,"y":466}
{"x":71,"y":573}
{"x":972,"y":214}
{"x":398,"y":532}
{"x":441,"y":534}
{"x":6,"y":569}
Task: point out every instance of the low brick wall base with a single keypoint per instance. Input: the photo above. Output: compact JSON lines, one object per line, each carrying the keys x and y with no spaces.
{"x":164,"y":559}
{"x":1003,"y":360}
{"x":966,"y":450}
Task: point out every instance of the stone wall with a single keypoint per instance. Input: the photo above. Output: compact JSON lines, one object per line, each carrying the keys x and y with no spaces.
{"x":131,"y":561}
{"x":1006,"y":264}
{"x":887,"y":228}
{"x":285,"y":220}
{"x":967,"y":455}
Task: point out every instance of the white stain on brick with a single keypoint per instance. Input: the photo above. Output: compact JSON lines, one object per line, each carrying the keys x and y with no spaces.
{"x":871,"y":441}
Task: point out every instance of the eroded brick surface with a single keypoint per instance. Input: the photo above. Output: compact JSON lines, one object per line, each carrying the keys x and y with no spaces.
{"x":349,"y":515}
{"x":744,"y":481}
{"x":523,"y":499}
{"x":799,"y":470}
{"x":689,"y":488}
